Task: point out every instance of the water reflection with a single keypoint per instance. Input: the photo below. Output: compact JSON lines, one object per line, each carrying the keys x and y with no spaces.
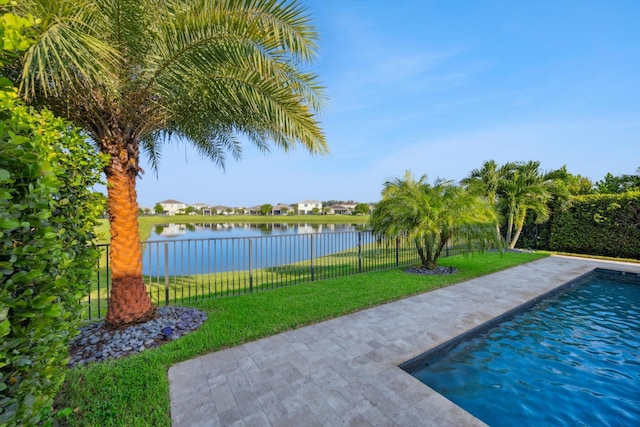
{"x":212,"y":230}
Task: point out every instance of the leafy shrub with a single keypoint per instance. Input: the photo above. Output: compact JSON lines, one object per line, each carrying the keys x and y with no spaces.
{"x":47,"y":215}
{"x":599,"y":224}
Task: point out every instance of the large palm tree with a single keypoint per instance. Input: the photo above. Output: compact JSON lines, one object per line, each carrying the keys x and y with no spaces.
{"x":523,"y":188}
{"x":134,"y":73}
{"x":432,"y":215}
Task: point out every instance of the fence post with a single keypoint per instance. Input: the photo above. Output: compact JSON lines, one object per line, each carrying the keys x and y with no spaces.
{"x":359,"y":251}
{"x":398,"y":251}
{"x":447,"y":248}
{"x":166,"y":273}
{"x":89,"y":294}
{"x":250,"y":265}
{"x":108,"y":293}
{"x":312,"y":254}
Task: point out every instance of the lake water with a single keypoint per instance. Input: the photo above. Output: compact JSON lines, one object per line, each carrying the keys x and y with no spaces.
{"x":213,"y":248}
{"x":212,"y":230}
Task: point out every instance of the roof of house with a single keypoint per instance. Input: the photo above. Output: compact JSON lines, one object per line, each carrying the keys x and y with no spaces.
{"x":200,"y":204}
{"x":310,"y":202}
{"x":171,"y":201}
{"x":280,"y":206}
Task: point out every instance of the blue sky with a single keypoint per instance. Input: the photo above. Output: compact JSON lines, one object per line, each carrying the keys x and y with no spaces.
{"x":438,"y":87}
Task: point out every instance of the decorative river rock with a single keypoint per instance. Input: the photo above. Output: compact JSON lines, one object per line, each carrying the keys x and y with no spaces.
{"x":95,"y":343}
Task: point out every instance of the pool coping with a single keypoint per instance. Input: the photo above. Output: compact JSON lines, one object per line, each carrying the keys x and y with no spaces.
{"x":346,"y":371}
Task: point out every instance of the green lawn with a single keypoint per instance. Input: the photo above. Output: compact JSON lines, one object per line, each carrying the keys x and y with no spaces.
{"x":102,"y":231}
{"x":135,"y":392}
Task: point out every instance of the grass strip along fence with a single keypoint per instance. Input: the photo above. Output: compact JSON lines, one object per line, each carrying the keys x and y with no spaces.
{"x":193,"y":269}
{"x":134,"y":391}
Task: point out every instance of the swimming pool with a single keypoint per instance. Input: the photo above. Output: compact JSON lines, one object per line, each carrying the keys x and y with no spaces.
{"x":570,"y":359}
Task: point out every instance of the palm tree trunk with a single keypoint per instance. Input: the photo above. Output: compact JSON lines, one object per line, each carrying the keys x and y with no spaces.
{"x":430,"y":263}
{"x":429,"y":259}
{"x":443,"y":242}
{"x":510,"y":227}
{"x":423,"y":259}
{"x":516,"y":235}
{"x":519,"y":226}
{"x":129,"y":301}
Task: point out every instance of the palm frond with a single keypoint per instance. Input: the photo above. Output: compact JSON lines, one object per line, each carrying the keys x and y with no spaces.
{"x":235,"y":65}
{"x":69,"y":52}
{"x":152,"y":149}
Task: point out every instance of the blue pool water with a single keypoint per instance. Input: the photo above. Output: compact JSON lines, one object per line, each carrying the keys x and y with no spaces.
{"x":572,"y":359}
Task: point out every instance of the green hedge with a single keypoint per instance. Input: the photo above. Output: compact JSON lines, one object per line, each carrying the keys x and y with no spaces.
{"x":599,"y":224}
{"x":47,"y":216}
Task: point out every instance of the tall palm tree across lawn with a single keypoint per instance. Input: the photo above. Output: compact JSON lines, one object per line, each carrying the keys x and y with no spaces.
{"x":134,"y":73}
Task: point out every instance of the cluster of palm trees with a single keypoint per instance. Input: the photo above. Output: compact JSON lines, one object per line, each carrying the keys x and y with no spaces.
{"x":518,"y":189}
{"x":489,"y":206}
{"x":432,"y":215}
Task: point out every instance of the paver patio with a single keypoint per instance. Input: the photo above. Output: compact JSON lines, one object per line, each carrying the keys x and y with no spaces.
{"x":345,"y":371}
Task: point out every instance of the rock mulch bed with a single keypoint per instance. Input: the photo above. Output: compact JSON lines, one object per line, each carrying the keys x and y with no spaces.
{"x":95,"y":343}
{"x":438,"y":270}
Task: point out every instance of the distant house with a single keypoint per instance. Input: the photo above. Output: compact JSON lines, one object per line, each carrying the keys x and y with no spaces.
{"x":280,"y":210}
{"x":172,"y":207}
{"x":340,"y":210}
{"x":351,"y":205}
{"x":220,"y":210}
{"x":202,"y":208}
{"x":306,"y":207}
{"x":254,"y":210}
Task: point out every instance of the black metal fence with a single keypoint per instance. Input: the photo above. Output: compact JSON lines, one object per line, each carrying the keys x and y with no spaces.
{"x":194,"y":269}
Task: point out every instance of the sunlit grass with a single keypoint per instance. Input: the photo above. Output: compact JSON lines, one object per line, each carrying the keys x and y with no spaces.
{"x":135,"y":392}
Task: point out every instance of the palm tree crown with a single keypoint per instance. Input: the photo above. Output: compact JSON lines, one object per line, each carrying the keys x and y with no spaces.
{"x":204,"y":71}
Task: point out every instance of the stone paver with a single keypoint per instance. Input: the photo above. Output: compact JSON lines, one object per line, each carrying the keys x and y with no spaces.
{"x":344,"y":372}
